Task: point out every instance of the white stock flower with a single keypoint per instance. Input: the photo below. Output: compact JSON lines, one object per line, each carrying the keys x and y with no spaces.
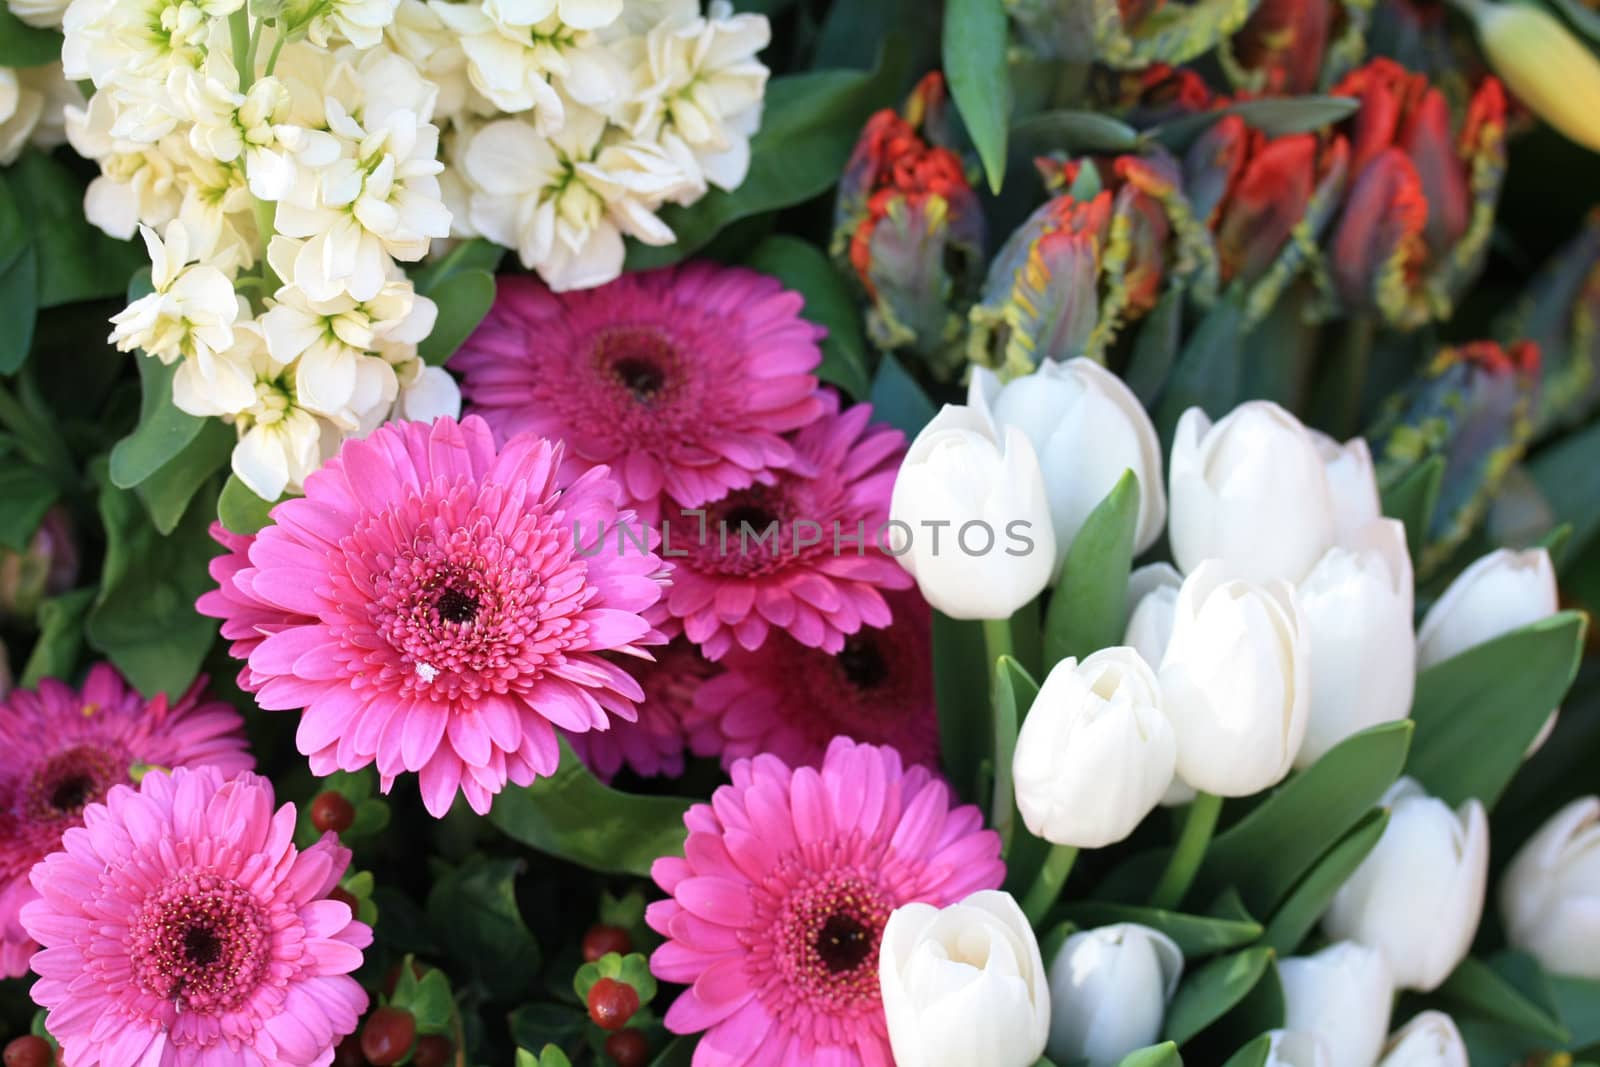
{"x":45,"y":14}
{"x":138,"y":184}
{"x":217,"y":208}
{"x":426,"y":393}
{"x":565,"y":202}
{"x":280,"y":443}
{"x":21,"y":106}
{"x":361,"y":22}
{"x":420,"y":35}
{"x":126,"y":42}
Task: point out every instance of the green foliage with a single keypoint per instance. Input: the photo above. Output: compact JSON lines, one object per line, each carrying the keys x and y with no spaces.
{"x":979,"y":76}
{"x":473,"y":911}
{"x":632,"y":969}
{"x":462,"y":284}
{"x":1089,"y":608}
{"x":898,"y":400}
{"x":1212,"y":991}
{"x":240,"y":510}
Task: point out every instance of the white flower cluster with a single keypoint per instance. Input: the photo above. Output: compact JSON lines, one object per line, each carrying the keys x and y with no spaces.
{"x":33,"y":103}
{"x":281,"y":161}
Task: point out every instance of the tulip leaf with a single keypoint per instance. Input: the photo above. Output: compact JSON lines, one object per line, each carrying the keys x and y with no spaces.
{"x":464,"y":298}
{"x":1477,"y":713}
{"x":1412,"y":498}
{"x":1268,"y":851}
{"x":898,"y":400}
{"x":1252,"y":1055}
{"x":163,"y":431}
{"x":1013,"y":694}
{"x":572,"y":816}
{"x":1273,"y":117}
{"x":1215,"y":989}
{"x":1481,"y":989}
{"x":1309,"y":899}
{"x":1073,"y":132}
{"x":1577,"y":1001}
{"x":1156,"y":347}
{"x":1196,"y":935}
{"x":960,"y":677}
{"x":1207,"y":372}
{"x":1583,"y":20}
{"x":240,"y":510}
{"x":1089,"y":607}
{"x":1162,"y":1055}
{"x":974,"y":48}
{"x":803,"y":267}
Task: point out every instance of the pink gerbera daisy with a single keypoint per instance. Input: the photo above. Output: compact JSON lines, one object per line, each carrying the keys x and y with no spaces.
{"x":654,"y":743}
{"x":803,"y":554}
{"x":181,"y":927}
{"x":682,"y":380}
{"x":430,"y":607}
{"x":779,"y":902}
{"x":791,"y":700}
{"x":65,"y":748}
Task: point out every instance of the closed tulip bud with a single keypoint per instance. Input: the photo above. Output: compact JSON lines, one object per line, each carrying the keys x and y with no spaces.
{"x":1109,"y":989}
{"x":1418,"y":895}
{"x":1095,"y":753}
{"x":1357,"y":602}
{"x":1343,"y":995}
{"x":964,"y":984}
{"x":1430,"y":1039}
{"x":1352,"y":485}
{"x":1251,"y":491}
{"x":1152,"y":598}
{"x":1500,"y":592}
{"x":969,"y":518}
{"x":1547,"y":68}
{"x":1550,"y":895}
{"x":1087,"y":429}
{"x":1235,"y":682}
{"x":1295,"y":1048}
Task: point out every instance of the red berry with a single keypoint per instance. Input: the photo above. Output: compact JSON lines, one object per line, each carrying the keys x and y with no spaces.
{"x":29,"y":1051}
{"x":387,"y":1036}
{"x":345,"y":897}
{"x":332,"y":813}
{"x":612,"y":1003}
{"x":629,"y":1048}
{"x":348,"y":1053}
{"x":433,"y":1050}
{"x":603,"y":939}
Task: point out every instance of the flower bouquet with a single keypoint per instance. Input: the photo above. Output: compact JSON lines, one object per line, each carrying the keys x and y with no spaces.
{"x":767,"y":533}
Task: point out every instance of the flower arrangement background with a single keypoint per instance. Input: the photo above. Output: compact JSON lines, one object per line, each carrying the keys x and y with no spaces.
{"x":720,"y":532}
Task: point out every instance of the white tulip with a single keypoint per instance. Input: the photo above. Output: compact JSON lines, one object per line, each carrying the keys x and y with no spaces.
{"x":1109,"y":989}
{"x":1429,"y":1040}
{"x":1095,"y":753}
{"x":1295,"y":1048}
{"x":1418,"y":895}
{"x":1550,"y":895}
{"x":969,"y":518}
{"x":1087,"y":429}
{"x":1358,"y":604}
{"x":1152,"y":598}
{"x":1235,"y":681}
{"x":1500,"y":592}
{"x":1250,"y":490}
{"x":964,"y":984}
{"x":1352,"y":484}
{"x":1343,"y":995}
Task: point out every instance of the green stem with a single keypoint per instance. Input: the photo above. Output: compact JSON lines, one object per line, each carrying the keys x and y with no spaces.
{"x":277,"y":49}
{"x":266,"y":216}
{"x":1198,"y":825}
{"x":239,"y":32}
{"x":997,"y":641}
{"x":1046,"y":888}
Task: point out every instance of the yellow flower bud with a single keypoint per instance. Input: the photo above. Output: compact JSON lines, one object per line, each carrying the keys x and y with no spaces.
{"x":1545,"y":66}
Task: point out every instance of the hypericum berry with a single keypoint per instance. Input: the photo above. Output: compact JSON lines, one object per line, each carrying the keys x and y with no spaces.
{"x":29,"y":1051}
{"x":603,"y":939}
{"x":392,"y":978}
{"x":332,"y":813}
{"x":433,"y":1050}
{"x":348,"y":1053}
{"x":345,"y":897}
{"x":629,"y":1048}
{"x":612,"y":1003}
{"x":387,"y":1036}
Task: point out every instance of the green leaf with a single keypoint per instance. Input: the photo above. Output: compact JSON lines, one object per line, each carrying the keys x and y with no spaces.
{"x":464,"y":298}
{"x":1577,"y":1001}
{"x":679,"y":1053}
{"x":1252,"y":1055}
{"x":28,"y":493}
{"x":1273,"y":117}
{"x":166,"y":493}
{"x":571,"y":815}
{"x":1089,"y":607}
{"x":162,"y":433}
{"x":1163,"y":1055}
{"x":1412,"y":499}
{"x":144,"y":619}
{"x":430,"y":1002}
{"x":1267,"y":852}
{"x":898,"y":400}
{"x":1207,"y":372}
{"x":77,"y":261}
{"x":1211,"y":992}
{"x":1583,"y":20}
{"x":473,"y":913}
{"x":1476,"y":988}
{"x":1014,"y":693}
{"x":974,"y":47}
{"x":56,"y":650}
{"x":808,"y":128}
{"x":1477,"y":713}
{"x":1155,"y":350}
{"x":22,"y":45}
{"x":1073,"y":132}
{"x":960,"y":680}
{"x":1196,"y":935}
{"x":803,"y":267}
{"x":240,"y":510}
{"x":1309,"y":899}
{"x":475,"y":254}
{"x":19,"y":288}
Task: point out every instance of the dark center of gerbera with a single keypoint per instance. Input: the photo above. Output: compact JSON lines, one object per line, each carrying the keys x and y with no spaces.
{"x":755,"y":516}
{"x":201,"y":940}
{"x":824,"y":937}
{"x":456,"y":606}
{"x":67,"y":781}
{"x":843,"y":943}
{"x":71,"y":793}
{"x":640,"y":377}
{"x":639,"y":360}
{"x":862,"y":662}
{"x":201,"y":946}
